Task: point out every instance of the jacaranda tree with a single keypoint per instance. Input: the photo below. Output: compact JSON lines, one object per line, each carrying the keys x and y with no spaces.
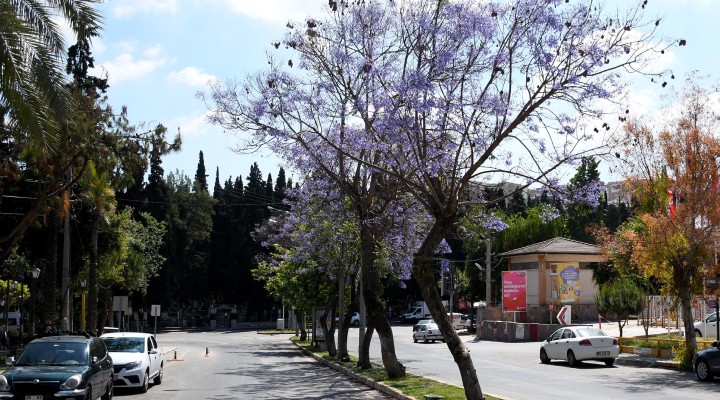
{"x":423,"y":96}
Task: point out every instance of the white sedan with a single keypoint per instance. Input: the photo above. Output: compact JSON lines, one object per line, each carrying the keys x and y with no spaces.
{"x":707,"y":327}
{"x":137,"y":359}
{"x":579,"y":343}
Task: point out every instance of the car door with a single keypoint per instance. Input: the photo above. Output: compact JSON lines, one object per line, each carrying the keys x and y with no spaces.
{"x":101,"y":371}
{"x":565,"y":343}
{"x":156,"y":357}
{"x":150,"y":355}
{"x":551,"y":348}
{"x":713,"y":359}
{"x":711,"y":325}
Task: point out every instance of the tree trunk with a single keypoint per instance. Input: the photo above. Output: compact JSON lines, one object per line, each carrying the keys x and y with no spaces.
{"x":300,"y":319}
{"x":364,"y":362}
{"x":424,"y":274}
{"x":92,"y":278}
{"x":372,"y":291}
{"x":686,"y":313}
{"x":343,"y":331}
{"x":329,"y":331}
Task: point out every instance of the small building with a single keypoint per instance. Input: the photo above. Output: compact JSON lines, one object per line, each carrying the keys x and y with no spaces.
{"x":557,"y":272}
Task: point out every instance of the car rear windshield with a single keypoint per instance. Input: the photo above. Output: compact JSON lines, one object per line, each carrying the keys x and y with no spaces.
{"x":54,"y":353}
{"x":125,"y":344}
{"x":585,"y":332}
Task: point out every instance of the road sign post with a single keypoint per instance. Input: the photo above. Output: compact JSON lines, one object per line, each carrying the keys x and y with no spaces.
{"x":564,"y":315}
{"x":154,"y":312}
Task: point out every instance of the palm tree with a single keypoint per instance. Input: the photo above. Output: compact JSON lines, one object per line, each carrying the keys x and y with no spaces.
{"x":33,"y":88}
{"x":99,"y":196}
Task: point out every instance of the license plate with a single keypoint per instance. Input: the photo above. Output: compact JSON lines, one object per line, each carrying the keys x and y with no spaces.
{"x":603,"y":353}
{"x":34,"y":397}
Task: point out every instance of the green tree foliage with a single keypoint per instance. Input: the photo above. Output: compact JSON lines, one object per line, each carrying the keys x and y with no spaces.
{"x":189,"y":224}
{"x":33,"y":91}
{"x":619,"y":299}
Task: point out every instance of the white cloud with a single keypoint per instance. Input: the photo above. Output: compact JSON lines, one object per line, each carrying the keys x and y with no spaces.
{"x":193,"y":125}
{"x":126,"y":68}
{"x":191,"y":76}
{"x":127,"y":8}
{"x":276,"y":10}
{"x":153,"y":52}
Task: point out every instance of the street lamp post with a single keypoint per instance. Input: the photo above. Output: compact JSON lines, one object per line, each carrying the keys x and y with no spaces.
{"x":35,"y":275}
{"x":82,"y":305}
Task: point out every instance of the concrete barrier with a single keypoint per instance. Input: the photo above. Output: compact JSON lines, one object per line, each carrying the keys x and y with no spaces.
{"x":507,"y":331}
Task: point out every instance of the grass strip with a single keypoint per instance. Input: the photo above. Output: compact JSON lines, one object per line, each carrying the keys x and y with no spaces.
{"x":411,"y":385}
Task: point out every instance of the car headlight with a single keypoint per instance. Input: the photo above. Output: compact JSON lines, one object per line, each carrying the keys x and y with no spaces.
{"x":133,"y":365}
{"x":4,"y":385}
{"x":72,"y":382}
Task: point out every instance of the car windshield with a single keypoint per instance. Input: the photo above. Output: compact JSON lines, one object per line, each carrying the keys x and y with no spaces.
{"x":53,"y":354}
{"x":125,"y":344}
{"x":586,"y":332}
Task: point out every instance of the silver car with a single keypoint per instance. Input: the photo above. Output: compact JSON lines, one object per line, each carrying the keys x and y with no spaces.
{"x":428,"y":332}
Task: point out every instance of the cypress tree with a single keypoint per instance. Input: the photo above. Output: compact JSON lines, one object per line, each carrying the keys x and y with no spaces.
{"x":200,"y":175}
{"x":217,"y":188}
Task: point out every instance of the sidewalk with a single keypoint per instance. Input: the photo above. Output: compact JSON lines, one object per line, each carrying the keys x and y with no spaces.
{"x":632,"y":329}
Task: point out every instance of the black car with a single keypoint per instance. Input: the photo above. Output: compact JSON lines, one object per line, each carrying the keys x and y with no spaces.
{"x":706,"y":362}
{"x":59,"y":367}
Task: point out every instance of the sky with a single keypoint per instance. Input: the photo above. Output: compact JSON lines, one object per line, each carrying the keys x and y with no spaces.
{"x":159,"y":53}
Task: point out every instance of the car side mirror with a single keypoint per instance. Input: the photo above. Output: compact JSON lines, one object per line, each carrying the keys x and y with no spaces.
{"x":10,"y":360}
{"x":153,"y":351}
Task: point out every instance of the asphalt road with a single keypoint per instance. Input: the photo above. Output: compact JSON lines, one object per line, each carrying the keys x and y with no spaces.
{"x":513,"y":371}
{"x":244,"y":365}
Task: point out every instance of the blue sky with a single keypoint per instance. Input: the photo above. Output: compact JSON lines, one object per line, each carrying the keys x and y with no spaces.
{"x":159,"y":53}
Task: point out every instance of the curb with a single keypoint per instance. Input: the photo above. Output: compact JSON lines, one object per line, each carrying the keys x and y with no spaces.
{"x":372,"y":383}
{"x":646,"y":363}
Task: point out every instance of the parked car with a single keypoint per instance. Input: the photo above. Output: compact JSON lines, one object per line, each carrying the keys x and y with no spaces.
{"x":428,"y":332}
{"x":67,"y":366}
{"x":707,"y":327}
{"x":579,"y":343}
{"x":354,"y":320}
{"x":137,"y":358}
{"x":706,"y":362}
{"x":456,"y":320}
{"x":469,"y":322}
{"x":422,"y":322}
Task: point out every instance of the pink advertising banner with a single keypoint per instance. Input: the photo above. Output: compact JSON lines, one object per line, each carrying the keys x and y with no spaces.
{"x":514,"y":287}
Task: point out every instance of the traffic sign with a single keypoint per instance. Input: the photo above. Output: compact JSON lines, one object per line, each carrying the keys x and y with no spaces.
{"x":564,"y":314}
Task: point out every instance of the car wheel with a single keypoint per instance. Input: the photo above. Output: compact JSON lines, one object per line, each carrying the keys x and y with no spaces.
{"x":702,"y":370}
{"x":610,"y":363}
{"x":159,"y":377}
{"x":109,"y":390}
{"x":544,"y":357}
{"x":425,"y":339}
{"x":145,"y":384}
{"x":414,"y":338}
{"x":698,"y":333}
{"x":572,"y":361}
